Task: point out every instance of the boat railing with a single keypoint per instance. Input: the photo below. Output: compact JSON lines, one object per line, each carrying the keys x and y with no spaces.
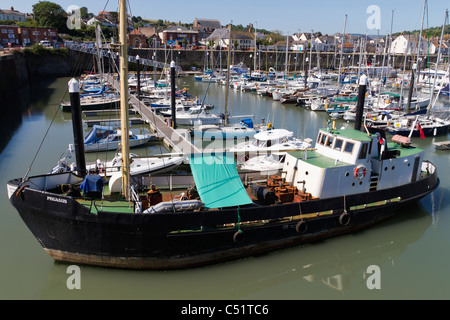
{"x":428,"y":167}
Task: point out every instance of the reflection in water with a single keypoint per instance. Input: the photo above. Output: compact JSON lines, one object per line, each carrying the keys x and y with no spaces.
{"x":12,"y":115}
{"x":405,"y":247}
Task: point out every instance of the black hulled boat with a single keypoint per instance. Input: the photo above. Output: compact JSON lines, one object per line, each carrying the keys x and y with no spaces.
{"x":350,"y":181}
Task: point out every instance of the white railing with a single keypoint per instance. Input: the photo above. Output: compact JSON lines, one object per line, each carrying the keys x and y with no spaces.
{"x":110,"y":54}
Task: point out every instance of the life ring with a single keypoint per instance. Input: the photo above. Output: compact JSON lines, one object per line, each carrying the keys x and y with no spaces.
{"x":360,"y":172}
{"x":301,"y":226}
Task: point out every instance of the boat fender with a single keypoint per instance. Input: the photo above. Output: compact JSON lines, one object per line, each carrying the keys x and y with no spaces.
{"x":301,"y":226}
{"x":238,"y":236}
{"x":20,"y":190}
{"x":344,"y":218}
{"x":360,"y":172}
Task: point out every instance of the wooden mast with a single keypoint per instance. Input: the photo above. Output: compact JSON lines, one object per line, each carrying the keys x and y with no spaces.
{"x":123,"y":70}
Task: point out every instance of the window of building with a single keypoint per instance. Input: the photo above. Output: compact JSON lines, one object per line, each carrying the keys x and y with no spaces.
{"x":4,"y":31}
{"x":10,"y":31}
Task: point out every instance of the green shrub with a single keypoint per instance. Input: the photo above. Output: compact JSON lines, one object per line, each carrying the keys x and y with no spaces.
{"x":37,"y":50}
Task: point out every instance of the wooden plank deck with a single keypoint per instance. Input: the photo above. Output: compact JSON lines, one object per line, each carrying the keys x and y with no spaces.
{"x":173,"y":138}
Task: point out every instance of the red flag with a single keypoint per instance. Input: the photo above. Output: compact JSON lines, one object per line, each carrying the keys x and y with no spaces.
{"x":422,"y":134}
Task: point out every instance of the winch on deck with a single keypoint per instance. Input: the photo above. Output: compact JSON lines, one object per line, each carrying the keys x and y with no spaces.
{"x":277,"y":189}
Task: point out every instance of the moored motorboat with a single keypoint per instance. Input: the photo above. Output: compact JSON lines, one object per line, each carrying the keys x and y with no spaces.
{"x":442,"y":145}
{"x":418,"y":126}
{"x":275,"y":140}
{"x":104,"y":138}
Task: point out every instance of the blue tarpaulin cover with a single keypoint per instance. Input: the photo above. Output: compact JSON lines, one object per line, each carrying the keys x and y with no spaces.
{"x":92,"y":183}
{"x":248,"y":123}
{"x":97,"y":133}
{"x":217,"y":180}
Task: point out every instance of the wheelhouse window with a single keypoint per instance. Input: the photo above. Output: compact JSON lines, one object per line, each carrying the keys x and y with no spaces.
{"x":363,"y":152}
{"x":338,"y":144}
{"x":329,"y":142}
{"x":319,"y":137}
{"x":349,"y":147}
{"x":322,"y":139}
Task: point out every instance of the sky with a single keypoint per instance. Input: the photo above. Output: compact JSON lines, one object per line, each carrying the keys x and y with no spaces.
{"x":287,"y":16}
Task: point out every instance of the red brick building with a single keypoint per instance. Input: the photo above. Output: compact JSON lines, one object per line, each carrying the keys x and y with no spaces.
{"x":21,"y":36}
{"x":9,"y":35}
{"x":137,"y":39}
{"x":34,"y":35}
{"x":180,"y":36}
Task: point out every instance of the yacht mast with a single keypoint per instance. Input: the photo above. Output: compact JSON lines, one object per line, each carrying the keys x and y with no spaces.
{"x":123,"y":70}
{"x":342,"y":49}
{"x":437,"y":64}
{"x":227,"y":88}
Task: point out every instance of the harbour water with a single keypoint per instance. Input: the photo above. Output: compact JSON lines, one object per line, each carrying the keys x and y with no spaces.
{"x":411,"y":250}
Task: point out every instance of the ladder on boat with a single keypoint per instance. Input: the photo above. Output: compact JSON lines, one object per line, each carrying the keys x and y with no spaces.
{"x":374,"y":177}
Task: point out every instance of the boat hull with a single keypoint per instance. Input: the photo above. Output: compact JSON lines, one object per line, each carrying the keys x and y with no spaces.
{"x":114,"y":145}
{"x":70,"y":233}
{"x":94,"y":105}
{"x":427,"y":131}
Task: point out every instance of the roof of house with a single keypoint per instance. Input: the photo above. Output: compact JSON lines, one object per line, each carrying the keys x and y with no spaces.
{"x":208,"y":23}
{"x":11,"y":11}
{"x":179,"y":29}
{"x":147,"y":31}
{"x":136,"y":32}
{"x":222,"y":33}
{"x":346,"y":45}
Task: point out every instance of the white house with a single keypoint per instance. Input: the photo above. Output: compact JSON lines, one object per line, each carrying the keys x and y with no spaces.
{"x":12,"y":15}
{"x":242,"y":40}
{"x":408,"y":44}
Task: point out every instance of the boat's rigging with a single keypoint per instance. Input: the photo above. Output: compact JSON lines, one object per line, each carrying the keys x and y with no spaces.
{"x":42,"y":142}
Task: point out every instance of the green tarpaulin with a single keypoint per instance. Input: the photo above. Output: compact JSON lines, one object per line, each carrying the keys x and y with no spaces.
{"x":217,"y":180}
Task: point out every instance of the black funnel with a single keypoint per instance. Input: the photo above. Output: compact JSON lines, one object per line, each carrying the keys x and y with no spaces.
{"x":360,"y":104}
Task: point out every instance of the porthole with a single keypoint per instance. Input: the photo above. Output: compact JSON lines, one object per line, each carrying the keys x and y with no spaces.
{"x":393,"y":167}
{"x":386,"y":168}
{"x":347,"y":174}
{"x":306,"y":172}
{"x":353,"y":184}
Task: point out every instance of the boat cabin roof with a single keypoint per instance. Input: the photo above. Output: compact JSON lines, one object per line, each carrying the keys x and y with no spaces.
{"x":350,"y":134}
{"x":275,"y":134}
{"x":348,"y":147}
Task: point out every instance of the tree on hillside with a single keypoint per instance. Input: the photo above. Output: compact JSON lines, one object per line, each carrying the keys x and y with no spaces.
{"x":49,"y":14}
{"x":85,"y":14}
